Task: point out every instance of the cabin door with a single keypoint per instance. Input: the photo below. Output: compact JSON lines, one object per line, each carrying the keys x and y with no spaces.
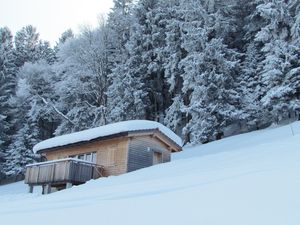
{"x":157,"y":158}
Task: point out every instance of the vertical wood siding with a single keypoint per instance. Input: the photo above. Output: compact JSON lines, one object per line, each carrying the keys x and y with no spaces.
{"x":111,"y":154}
{"x":60,"y":172}
{"x":140,"y":152}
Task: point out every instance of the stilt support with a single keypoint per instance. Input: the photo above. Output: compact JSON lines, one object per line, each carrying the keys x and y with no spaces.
{"x":46,"y":189}
{"x":69,"y":185}
{"x":30,"y":188}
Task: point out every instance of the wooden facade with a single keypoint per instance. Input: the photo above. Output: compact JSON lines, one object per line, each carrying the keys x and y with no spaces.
{"x":115,"y":155}
{"x":144,"y":151}
{"x":111,"y":154}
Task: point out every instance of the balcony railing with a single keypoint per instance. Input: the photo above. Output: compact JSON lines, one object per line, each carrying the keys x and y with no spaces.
{"x":60,"y":172}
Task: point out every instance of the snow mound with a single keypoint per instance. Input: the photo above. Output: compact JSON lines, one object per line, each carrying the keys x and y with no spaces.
{"x":241,"y":141}
{"x":110,"y":129}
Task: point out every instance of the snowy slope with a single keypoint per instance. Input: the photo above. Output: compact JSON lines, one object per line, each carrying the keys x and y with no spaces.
{"x":249,"y":179}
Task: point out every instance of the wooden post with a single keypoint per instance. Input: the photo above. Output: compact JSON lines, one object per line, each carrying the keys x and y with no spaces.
{"x":30,"y":189}
{"x":46,"y":189}
{"x":69,"y":185}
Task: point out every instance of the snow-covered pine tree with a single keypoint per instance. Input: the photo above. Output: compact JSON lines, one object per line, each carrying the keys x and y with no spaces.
{"x":33,"y":101}
{"x":26,"y":44}
{"x":175,"y":116}
{"x":293,"y":76}
{"x":142,"y":69}
{"x":173,"y":51}
{"x":20,"y":151}
{"x":173,"y":54}
{"x":124,"y":100}
{"x":146,"y":43}
{"x":125,"y":95}
{"x":2,"y":172}
{"x":3,"y":139}
{"x":249,"y":80}
{"x":119,"y":23}
{"x":279,"y":56}
{"x":209,"y":73}
{"x":65,"y":36}
{"x":156,"y":82}
{"x":250,"y":90}
{"x":45,"y":52}
{"x":7,"y":87}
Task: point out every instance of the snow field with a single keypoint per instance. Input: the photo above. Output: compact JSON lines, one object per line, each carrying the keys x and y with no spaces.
{"x":243,"y":180}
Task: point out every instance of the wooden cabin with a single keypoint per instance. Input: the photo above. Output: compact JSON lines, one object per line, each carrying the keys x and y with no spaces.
{"x":108,"y":150}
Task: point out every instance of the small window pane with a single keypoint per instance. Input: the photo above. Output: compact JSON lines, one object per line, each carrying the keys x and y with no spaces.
{"x":94,"y":157}
{"x":88,"y":157}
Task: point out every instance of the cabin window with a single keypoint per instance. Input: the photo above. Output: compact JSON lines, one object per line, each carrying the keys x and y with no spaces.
{"x":90,"y":157}
{"x":94,"y":157}
{"x":82,"y":157}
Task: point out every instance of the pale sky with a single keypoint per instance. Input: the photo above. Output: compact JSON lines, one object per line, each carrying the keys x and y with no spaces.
{"x":51,"y":17}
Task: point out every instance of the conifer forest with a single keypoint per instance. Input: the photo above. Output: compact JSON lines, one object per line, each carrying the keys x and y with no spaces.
{"x":207,"y":69}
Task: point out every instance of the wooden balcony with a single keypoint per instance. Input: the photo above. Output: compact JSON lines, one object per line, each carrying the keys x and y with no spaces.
{"x":59,"y":173}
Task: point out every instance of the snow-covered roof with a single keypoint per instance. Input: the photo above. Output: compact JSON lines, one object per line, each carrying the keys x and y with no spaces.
{"x":106,"y":130}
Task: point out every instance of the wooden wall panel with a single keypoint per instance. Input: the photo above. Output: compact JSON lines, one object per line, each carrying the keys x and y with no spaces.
{"x":112,"y":154}
{"x":140,"y":152}
{"x":61,"y":172}
{"x":58,"y":173}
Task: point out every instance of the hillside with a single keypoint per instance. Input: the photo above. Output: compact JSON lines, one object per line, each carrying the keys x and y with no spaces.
{"x":242,"y":180}
{"x":204,"y":68}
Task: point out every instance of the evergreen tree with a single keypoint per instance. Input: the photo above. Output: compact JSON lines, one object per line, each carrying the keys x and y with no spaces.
{"x":210,"y":69}
{"x":7,"y":87}
{"x":20,"y":152}
{"x":293,"y":76}
{"x":2,"y":173}
{"x":213,"y":101}
{"x":173,"y":54}
{"x":279,"y":56}
{"x":175,"y":116}
{"x":146,"y":57}
{"x":45,"y":52}
{"x":125,"y":97}
{"x":251,"y":91}
{"x":65,"y":36}
{"x":124,"y":92}
{"x":26,"y":43}
{"x":141,"y":69}
{"x":33,"y":101}
{"x":119,"y":23}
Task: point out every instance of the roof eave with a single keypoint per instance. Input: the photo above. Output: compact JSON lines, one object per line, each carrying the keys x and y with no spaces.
{"x":174,"y":146}
{"x":121,"y":134}
{"x":157,"y":133}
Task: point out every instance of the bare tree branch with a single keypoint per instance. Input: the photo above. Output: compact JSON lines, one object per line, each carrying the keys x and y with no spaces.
{"x":55,"y":109}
